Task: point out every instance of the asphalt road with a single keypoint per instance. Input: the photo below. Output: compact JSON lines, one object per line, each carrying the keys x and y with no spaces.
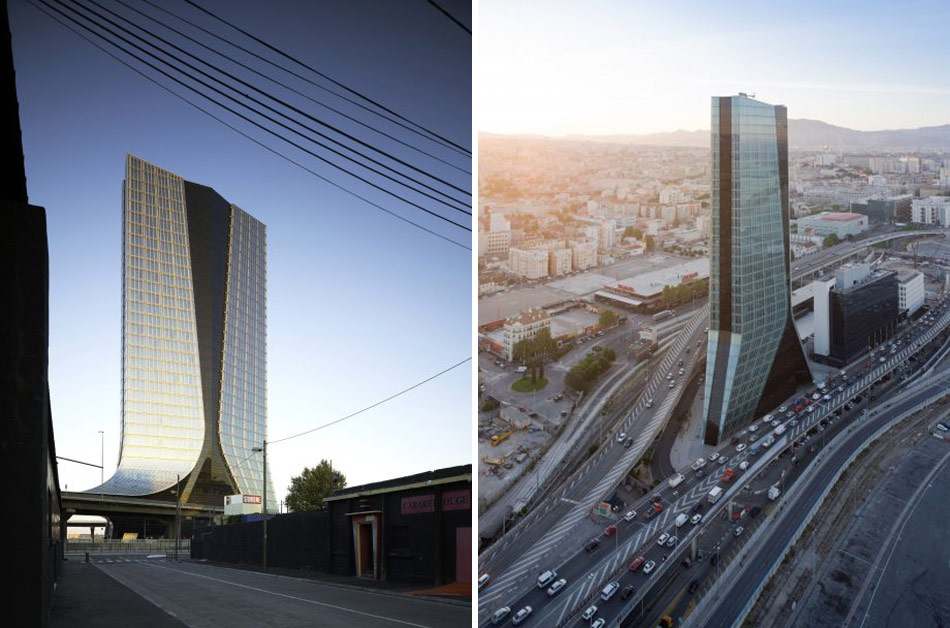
{"x":586,"y":573}
{"x":212,"y":597}
{"x":735,"y":597}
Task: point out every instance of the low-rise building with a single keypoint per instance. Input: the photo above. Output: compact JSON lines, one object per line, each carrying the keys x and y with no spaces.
{"x":560,"y":262}
{"x":841,"y":224}
{"x":528,"y":263}
{"x":910,"y":285}
{"x":523,"y":327}
{"x":934,"y":210}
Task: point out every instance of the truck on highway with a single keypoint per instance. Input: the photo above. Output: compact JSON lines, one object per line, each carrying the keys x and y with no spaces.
{"x":779,"y":430}
{"x":714,"y":494}
{"x":774,"y":492}
{"x":681,"y":519}
{"x":676,"y":480}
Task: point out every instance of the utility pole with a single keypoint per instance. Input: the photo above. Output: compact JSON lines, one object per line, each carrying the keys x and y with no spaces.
{"x":264,"y":505}
{"x":177,"y":516}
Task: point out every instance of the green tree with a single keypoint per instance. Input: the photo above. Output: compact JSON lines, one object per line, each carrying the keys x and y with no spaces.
{"x":309,"y":489}
{"x":831,"y":240}
{"x":608,"y":319}
{"x":632,"y":232}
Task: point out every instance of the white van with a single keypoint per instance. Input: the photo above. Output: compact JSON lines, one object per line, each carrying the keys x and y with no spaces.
{"x":546,"y":578}
{"x":609,"y":590}
{"x":680,"y":520}
{"x":676,"y":480}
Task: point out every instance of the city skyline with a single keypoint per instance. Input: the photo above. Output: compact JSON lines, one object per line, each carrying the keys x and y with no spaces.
{"x":334,"y":262}
{"x":617,"y":68}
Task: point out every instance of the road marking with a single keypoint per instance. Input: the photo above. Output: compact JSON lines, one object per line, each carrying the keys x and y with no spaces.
{"x":291,"y":597}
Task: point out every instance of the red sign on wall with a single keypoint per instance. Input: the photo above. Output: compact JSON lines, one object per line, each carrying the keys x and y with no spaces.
{"x":457,"y":500}
{"x":452,"y":500}
{"x":251,"y":499}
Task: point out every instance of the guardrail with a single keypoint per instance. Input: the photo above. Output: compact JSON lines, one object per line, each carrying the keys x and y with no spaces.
{"x":713,"y":593}
{"x":118,"y":546}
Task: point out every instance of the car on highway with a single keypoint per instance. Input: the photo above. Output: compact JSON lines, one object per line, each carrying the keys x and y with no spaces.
{"x":782,"y":409}
{"x":811,"y":408}
{"x":723,"y":460}
{"x":776,"y":423}
{"x":662,"y":539}
{"x":500,"y":615}
{"x":671,"y":542}
{"x":483,"y":580}
{"x":693,"y":586}
{"x":608,"y":591}
{"x":696,"y":519}
{"x":649,"y":403}
{"x":753,"y":428}
{"x":630,"y":516}
{"x":555,"y":588}
{"x":600,"y":622}
{"x":699,"y":464}
{"x":714,"y":456}
{"x":672,"y":384}
{"x":627,"y":592}
{"x":739,"y":531}
{"x":637,"y":563}
{"x":629,"y":442}
{"x":649,"y":566}
{"x":591,"y":545}
{"x":789,"y":414}
{"x":589,"y":613}
{"x":521,"y":615}
{"x":610,"y":530}
{"x":622,"y":436}
{"x":743,"y":465}
{"x":546,"y":578}
{"x":793,"y":423}
{"x":740,"y":447}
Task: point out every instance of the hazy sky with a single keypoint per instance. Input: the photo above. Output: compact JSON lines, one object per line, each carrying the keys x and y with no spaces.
{"x":560,"y":67}
{"x":360,"y":305}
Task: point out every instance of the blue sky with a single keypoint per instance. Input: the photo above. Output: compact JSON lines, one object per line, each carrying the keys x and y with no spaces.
{"x":360,"y":305}
{"x":642,"y":67}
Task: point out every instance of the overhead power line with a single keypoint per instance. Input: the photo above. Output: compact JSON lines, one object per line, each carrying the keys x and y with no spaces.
{"x":244,"y":117}
{"x":268,"y":107}
{"x":286,"y":86}
{"x":328,"y":78}
{"x":378,"y":403}
{"x":451,"y":17}
{"x":239,"y":131}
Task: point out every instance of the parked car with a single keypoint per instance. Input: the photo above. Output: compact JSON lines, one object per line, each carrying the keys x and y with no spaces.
{"x":483,"y":580}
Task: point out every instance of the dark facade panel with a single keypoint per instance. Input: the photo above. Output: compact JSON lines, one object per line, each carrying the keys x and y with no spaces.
{"x":863,"y":317}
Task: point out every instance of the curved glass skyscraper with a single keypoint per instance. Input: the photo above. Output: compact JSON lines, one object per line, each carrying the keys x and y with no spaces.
{"x":754,"y":358}
{"x":194,"y":381}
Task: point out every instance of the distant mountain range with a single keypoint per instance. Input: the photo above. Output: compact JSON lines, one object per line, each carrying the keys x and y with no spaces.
{"x":803,"y":134}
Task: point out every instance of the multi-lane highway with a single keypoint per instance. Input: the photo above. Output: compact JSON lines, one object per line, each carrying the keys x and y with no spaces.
{"x":587,"y":573}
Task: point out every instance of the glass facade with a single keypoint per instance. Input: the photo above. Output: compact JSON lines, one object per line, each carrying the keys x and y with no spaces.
{"x":193,"y":341}
{"x":751,"y":338}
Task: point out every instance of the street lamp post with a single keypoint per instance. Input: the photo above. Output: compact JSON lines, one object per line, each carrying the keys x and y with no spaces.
{"x":177,"y":515}
{"x":264,"y":474}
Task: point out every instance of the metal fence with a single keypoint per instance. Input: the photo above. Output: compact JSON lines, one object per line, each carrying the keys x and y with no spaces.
{"x":118,"y":546}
